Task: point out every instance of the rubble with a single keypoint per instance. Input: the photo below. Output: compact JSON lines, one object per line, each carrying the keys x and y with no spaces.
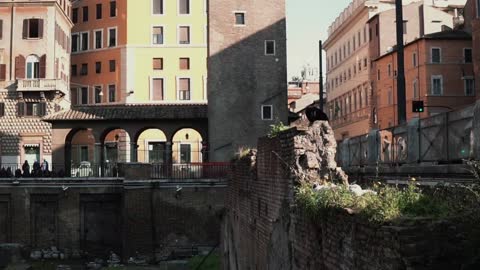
{"x":114,"y":260}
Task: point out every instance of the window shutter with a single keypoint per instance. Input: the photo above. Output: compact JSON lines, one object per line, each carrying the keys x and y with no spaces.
{"x":43,"y":109}
{"x":25,"y":29}
{"x":157,"y":89}
{"x":21,"y":109}
{"x":40,"y":28}
{"x":2,"y":109}
{"x":74,"y":96}
{"x":1,"y":29}
{"x":43,"y":66}
{"x":20,"y":67}
{"x":3,"y":72}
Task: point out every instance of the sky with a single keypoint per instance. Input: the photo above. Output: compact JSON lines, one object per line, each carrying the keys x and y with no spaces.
{"x":307,"y":23}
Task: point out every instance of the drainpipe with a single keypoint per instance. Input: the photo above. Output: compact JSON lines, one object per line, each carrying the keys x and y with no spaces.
{"x":11,"y":39}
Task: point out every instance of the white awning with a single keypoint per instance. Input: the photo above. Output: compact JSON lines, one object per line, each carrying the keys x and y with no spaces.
{"x":31,"y":145}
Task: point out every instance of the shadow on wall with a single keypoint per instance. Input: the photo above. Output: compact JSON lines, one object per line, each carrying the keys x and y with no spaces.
{"x":242,"y":78}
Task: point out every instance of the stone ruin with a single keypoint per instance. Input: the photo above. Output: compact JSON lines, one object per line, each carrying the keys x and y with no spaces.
{"x":315,"y":151}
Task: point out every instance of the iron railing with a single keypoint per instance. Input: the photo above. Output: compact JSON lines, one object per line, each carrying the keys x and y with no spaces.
{"x":85,"y":169}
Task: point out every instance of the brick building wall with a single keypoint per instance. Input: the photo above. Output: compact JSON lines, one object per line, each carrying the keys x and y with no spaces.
{"x":254,"y":79}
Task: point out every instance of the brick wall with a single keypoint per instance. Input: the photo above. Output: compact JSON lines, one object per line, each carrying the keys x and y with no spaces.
{"x":263,"y":229}
{"x":103,"y":216}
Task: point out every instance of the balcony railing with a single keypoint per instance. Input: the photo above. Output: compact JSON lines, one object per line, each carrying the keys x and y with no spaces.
{"x":42,"y":85}
{"x":85,"y":169}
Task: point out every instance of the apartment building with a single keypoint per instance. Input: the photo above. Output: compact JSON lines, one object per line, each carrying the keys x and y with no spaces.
{"x":247,"y":74}
{"x":34,"y":76}
{"x":364,"y":31}
{"x":438,"y":71}
{"x":149,"y":52}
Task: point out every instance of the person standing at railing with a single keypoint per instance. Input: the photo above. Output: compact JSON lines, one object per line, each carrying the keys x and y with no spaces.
{"x":26,"y":169}
{"x":45,"y":166}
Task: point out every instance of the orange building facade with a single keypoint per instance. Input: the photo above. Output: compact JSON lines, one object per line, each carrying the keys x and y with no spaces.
{"x":438,"y":70}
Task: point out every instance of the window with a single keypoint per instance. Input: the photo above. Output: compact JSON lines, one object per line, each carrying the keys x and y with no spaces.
{"x":269,"y":47}
{"x":469,"y":85}
{"x":33,"y":67}
{"x":378,"y":75}
{"x":416,"y":94}
{"x":85,"y":14}
{"x":111,"y":93}
{"x":83,"y":95}
{"x":32,"y":28}
{"x":84,"y":153}
{"x":2,"y":109}
{"x":75,"y":42}
{"x":31,"y":109}
{"x":185,"y":153}
{"x":112,"y":37}
{"x":184,"y":63}
{"x":184,"y":35}
{"x":184,"y":89}
{"x":436,"y":55}
{"x":113,"y":8}
{"x":157,"y":89}
{"x":239,"y":18}
{"x":98,"y":67}
{"x":478,"y":8}
{"x":75,"y":15}
{"x":157,"y":35}
{"x":74,"y":70}
{"x":98,"y":39}
{"x":389,"y":70}
{"x":267,"y":112}
{"x":389,"y":97}
{"x":84,"y":70}
{"x":437,"y":85}
{"x":184,"y":7}
{"x":157,"y":63}
{"x":414,"y":59}
{"x":1,"y":29}
{"x":467,"y":55}
{"x":99,"y":11}
{"x":157,"y":7}
{"x":84,"y":41}
{"x":405,"y":27}
{"x":98,"y":94}
{"x":112,"y":64}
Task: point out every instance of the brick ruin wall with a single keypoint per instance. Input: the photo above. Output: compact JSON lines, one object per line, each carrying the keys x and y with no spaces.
{"x":263,"y":229}
{"x":100,"y":217}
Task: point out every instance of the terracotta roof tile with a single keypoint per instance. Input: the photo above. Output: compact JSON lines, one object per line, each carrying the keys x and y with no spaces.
{"x":131,"y":112}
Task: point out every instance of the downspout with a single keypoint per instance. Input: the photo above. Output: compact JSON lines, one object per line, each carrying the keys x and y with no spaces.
{"x":11,"y":39}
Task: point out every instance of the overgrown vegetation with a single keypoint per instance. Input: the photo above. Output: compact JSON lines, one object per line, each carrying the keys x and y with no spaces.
{"x":390,"y":203}
{"x":276,"y":129}
{"x":211,"y":263}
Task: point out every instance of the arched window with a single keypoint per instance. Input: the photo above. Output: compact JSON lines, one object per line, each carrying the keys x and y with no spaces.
{"x":33,"y":67}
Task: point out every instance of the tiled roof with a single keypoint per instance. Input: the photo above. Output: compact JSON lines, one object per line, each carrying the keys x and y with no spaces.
{"x":131,"y":112}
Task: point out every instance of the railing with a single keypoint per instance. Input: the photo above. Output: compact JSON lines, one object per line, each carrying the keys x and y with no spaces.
{"x":85,"y":169}
{"x":42,"y":85}
{"x":443,"y":138}
{"x":213,"y":170}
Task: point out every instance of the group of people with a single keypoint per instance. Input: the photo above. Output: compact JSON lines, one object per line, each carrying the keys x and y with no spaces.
{"x":38,"y":169}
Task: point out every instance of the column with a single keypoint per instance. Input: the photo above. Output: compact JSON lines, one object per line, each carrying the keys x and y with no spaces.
{"x":133,"y":152}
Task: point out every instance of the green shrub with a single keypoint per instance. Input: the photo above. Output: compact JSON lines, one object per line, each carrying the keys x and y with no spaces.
{"x":390,"y":203}
{"x":276,"y":129}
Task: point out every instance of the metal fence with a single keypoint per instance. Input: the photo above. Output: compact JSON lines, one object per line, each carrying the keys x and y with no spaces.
{"x":441,"y":139}
{"x":212,"y":170}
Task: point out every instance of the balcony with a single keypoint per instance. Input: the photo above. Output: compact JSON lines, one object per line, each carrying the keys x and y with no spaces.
{"x":42,"y":85}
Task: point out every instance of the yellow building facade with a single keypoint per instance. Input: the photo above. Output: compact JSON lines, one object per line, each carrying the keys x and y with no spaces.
{"x":160,"y":59}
